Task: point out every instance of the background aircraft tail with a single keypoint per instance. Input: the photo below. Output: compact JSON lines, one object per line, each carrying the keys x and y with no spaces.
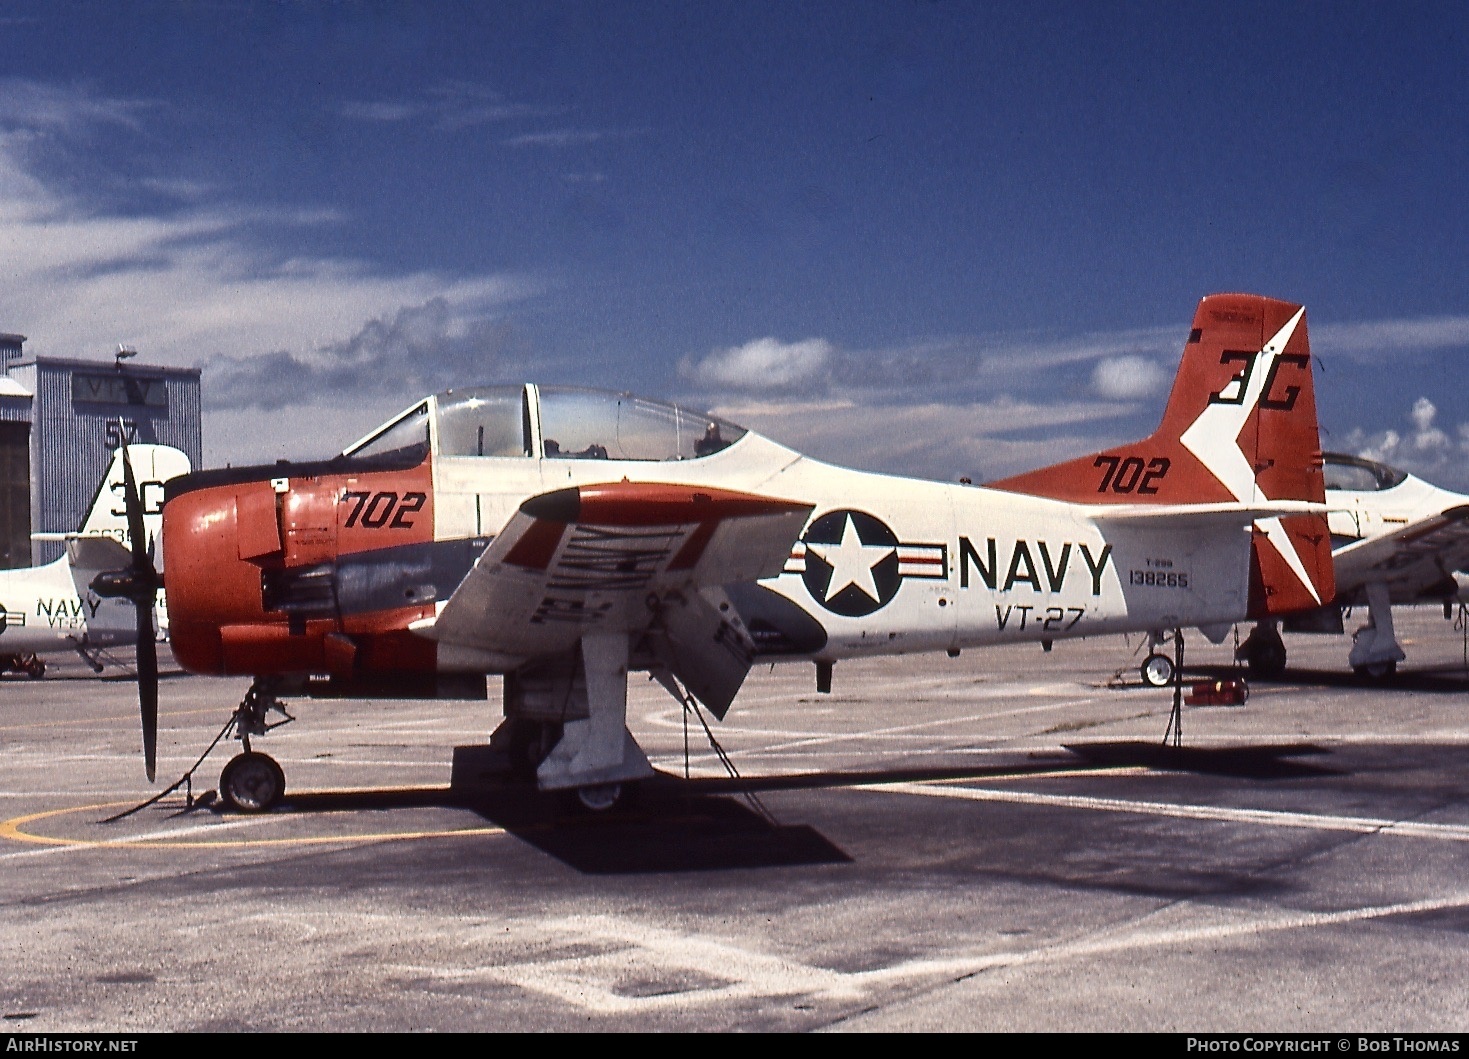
{"x":1239,"y":427}
{"x":153,"y":465}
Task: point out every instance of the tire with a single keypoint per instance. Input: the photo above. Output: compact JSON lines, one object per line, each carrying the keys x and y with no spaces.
{"x":35,"y":669}
{"x":599,"y":797}
{"x":1157,"y":670}
{"x":252,"y":783}
{"x":1377,"y":672}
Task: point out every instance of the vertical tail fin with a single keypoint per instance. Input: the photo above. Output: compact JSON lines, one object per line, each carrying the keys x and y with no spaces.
{"x":153,"y":465}
{"x":1239,"y":427}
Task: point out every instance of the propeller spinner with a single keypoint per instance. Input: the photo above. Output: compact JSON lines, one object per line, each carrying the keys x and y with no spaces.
{"x":140,"y":583}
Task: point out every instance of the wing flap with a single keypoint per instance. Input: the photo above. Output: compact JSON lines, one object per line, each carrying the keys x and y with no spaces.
{"x":702,"y":641}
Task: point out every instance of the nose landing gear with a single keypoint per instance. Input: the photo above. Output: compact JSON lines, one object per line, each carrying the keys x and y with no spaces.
{"x":253,"y":782}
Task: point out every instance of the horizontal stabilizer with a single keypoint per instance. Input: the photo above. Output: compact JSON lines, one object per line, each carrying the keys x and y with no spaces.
{"x":1204,"y":514}
{"x":97,"y":554}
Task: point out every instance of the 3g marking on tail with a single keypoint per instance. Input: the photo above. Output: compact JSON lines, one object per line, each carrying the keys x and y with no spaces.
{"x":1234,"y":392}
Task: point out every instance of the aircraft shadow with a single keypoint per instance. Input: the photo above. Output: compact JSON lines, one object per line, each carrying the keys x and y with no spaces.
{"x":1243,"y":762}
{"x":1438,"y":680}
{"x":669,"y":824}
{"x":661,"y":826}
{"x":665,"y":824}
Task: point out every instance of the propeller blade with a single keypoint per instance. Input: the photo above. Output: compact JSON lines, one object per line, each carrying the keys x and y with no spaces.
{"x":142,"y":587}
{"x":148,"y":688}
{"x":134,"y":507}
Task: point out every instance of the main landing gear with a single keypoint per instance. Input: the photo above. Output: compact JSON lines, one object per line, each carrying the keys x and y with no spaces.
{"x":565,"y":726}
{"x":1375,"y":652}
{"x":253,"y":782}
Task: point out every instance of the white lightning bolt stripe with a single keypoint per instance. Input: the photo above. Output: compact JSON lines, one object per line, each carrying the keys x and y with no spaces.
{"x":1214,"y":439}
{"x":1279,"y":537}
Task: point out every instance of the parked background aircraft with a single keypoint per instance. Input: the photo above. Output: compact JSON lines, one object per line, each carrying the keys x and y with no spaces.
{"x":51,"y":609}
{"x":1396,"y":541}
{"x":564,"y":537}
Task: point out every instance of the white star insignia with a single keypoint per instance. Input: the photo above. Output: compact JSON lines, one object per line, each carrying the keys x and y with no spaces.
{"x":851,"y":562}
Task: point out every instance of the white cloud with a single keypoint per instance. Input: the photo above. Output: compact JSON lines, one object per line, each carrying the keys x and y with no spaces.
{"x":1425,"y":450}
{"x":982,"y":407}
{"x":202,"y":285}
{"x":448,"y":106}
{"x":417,"y":349}
{"x":978,"y":367}
{"x":1373,"y":340}
{"x":1128,"y":378}
{"x":37,"y":105}
{"x":931,"y":439}
{"x":557,"y":138}
{"x":764,"y":364}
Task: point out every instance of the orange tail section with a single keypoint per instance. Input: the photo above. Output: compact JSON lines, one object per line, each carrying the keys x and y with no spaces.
{"x":1240,"y":426}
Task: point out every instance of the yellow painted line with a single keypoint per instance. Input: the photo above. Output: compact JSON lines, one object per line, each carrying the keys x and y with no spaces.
{"x":14,"y":829}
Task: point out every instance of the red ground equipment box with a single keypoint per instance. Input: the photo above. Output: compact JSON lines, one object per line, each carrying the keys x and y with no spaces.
{"x":1230,"y":692}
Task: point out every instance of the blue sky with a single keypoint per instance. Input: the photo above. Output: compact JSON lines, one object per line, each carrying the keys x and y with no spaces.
{"x":934,"y":238}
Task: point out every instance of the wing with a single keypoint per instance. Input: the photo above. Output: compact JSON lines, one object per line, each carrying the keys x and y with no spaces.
{"x":1416,"y":561}
{"x":626,"y":557}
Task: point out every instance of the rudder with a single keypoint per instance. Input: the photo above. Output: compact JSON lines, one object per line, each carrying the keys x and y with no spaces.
{"x":1240,"y":426}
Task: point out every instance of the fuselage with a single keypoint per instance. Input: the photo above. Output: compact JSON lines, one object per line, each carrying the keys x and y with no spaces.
{"x":42,"y":610}
{"x":321,"y":568}
{"x":1368,"y":499}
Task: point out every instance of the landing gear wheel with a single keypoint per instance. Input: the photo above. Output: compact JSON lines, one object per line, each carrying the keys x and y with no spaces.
{"x":599,"y":797}
{"x":35,"y":669}
{"x":252,"y":783}
{"x":1377,"y":671}
{"x":1157,"y":670}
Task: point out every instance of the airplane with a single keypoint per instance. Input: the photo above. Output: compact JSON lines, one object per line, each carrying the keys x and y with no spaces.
{"x":560,"y":538}
{"x":50,"y":609}
{"x":1397,"y":540}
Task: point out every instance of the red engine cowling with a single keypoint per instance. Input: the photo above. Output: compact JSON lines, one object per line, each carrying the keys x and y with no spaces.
{"x":300,"y":568}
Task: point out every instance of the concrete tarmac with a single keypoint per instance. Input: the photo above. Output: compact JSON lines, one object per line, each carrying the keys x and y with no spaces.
{"x":1001,"y":841}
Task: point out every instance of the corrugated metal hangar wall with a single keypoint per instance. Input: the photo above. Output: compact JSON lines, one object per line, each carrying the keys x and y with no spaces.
{"x":61,"y":419}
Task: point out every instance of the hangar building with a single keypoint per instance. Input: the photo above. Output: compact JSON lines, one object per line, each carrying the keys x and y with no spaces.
{"x":59,"y":425}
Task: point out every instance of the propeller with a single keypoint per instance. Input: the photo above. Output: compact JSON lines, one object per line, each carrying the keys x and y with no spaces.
{"x":140,"y":583}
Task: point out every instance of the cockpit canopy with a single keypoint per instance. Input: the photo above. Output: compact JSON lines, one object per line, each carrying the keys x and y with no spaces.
{"x":1357,"y":474}
{"x":549,"y":422}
